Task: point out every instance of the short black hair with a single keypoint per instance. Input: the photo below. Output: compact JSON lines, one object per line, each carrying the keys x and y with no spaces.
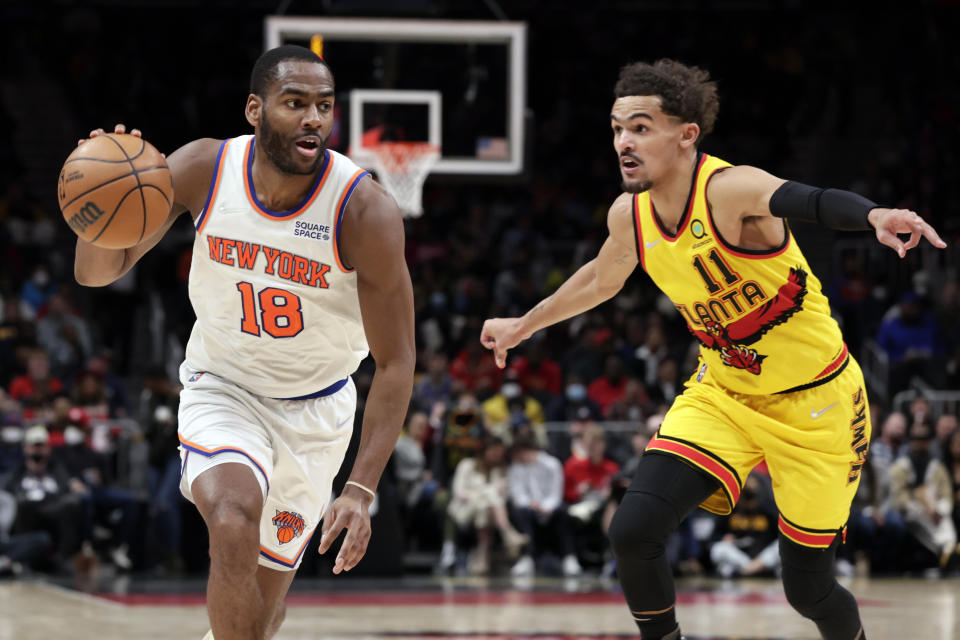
{"x":265,"y":68}
{"x":685,"y":92}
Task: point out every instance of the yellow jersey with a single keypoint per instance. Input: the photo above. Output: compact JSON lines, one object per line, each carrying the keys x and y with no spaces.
{"x":762,"y":320}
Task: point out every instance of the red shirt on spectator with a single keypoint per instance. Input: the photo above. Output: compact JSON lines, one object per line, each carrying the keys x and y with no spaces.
{"x":545,"y":377}
{"x":577,"y":471}
{"x":476,"y":369}
{"x":25,"y":387}
{"x":604,"y":392}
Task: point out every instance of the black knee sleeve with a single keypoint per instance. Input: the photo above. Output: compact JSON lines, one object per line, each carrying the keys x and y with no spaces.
{"x":641,"y":526}
{"x":663,"y":492}
{"x":812,"y":590}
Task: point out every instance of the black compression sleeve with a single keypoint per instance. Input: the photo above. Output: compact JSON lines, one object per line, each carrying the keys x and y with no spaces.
{"x":833,"y":208}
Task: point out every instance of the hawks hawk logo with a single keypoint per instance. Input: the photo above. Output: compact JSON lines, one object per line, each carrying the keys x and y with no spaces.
{"x":289,"y":525}
{"x":731,"y":340}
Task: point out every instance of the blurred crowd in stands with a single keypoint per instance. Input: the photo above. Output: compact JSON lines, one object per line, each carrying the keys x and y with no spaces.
{"x":517,"y":470}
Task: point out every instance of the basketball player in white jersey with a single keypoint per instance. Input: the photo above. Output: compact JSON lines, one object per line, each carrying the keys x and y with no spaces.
{"x":297,"y":266}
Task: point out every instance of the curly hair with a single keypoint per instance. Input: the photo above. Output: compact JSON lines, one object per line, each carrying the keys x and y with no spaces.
{"x":685,"y":92}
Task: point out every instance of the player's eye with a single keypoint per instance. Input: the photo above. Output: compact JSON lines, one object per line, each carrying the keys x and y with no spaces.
{"x":325,"y":106}
{"x":293,"y":103}
{"x":617,"y":130}
{"x":640,"y":128}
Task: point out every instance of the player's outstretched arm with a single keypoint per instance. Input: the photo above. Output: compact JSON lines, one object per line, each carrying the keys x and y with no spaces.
{"x":745,"y":191}
{"x":372,"y":242}
{"x":595,"y":282}
{"x":191,"y":167}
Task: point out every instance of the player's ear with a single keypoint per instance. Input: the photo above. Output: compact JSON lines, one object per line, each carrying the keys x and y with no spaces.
{"x":254,"y":106}
{"x":689,"y":132}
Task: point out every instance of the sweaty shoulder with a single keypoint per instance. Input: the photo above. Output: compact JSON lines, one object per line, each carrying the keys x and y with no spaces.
{"x":620,"y":218}
{"x":192,"y":166}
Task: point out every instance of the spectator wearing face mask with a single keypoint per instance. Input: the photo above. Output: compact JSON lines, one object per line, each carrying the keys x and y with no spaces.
{"x":462,"y":436}
{"x":89,"y":479}
{"x":538,"y":375}
{"x":507,"y":409}
{"x":573,"y":404}
{"x":37,"y":290}
{"x":45,"y":501}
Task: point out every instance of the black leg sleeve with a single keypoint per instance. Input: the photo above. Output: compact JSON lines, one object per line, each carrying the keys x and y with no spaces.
{"x":812,"y":590}
{"x":664,"y":491}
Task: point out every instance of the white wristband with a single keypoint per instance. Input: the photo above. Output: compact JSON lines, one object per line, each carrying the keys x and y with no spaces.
{"x":360,"y":486}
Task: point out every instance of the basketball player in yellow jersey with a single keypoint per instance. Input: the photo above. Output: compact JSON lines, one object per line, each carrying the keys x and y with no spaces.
{"x":775,"y":381}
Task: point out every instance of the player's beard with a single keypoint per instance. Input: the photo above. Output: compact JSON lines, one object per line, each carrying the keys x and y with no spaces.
{"x":636,"y":187}
{"x":278,"y":150}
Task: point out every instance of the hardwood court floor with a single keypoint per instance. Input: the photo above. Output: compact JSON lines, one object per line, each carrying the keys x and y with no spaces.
{"x":476,"y":610}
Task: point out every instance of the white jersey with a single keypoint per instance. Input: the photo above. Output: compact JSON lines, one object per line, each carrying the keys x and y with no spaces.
{"x":277,"y":309}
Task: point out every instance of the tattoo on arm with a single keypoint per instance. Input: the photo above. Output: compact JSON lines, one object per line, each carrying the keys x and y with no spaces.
{"x":624,"y":259}
{"x":541,"y":306}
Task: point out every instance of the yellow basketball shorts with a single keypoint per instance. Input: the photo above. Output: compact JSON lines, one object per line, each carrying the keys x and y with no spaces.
{"x":814,"y":442}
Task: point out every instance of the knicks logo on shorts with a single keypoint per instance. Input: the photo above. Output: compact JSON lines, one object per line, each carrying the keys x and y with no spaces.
{"x":289,"y":525}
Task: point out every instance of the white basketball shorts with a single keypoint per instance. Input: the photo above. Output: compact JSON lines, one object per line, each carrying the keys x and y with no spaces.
{"x":294,"y":448}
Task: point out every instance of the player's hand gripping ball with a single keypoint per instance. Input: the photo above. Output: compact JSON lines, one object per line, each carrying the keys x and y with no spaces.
{"x":115,"y":190}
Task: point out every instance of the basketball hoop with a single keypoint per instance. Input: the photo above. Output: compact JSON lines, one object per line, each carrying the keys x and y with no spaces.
{"x":402,"y":168}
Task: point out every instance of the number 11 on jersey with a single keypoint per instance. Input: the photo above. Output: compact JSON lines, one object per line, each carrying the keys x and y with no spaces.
{"x":280,"y":314}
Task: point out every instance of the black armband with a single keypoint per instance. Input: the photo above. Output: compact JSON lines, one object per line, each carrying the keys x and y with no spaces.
{"x":834,"y":208}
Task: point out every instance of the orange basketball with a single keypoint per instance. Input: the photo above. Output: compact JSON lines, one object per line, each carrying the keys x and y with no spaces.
{"x":115,"y":190}
{"x":285,"y":534}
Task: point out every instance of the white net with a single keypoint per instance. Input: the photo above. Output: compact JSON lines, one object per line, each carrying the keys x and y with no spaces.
{"x":402,"y":168}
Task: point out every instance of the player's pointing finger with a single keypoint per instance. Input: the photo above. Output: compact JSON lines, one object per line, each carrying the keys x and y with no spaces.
{"x":932,"y":236}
